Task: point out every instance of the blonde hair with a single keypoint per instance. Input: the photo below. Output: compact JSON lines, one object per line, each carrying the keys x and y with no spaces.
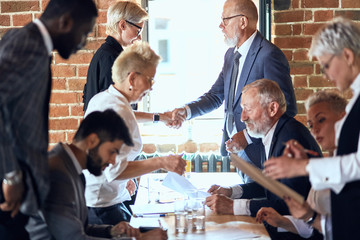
{"x":134,"y":58}
{"x":124,"y":10}
{"x":269,"y":91}
{"x":336,"y":102}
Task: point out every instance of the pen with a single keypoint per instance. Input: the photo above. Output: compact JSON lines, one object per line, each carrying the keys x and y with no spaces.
{"x":151,"y":215}
{"x":310,"y":152}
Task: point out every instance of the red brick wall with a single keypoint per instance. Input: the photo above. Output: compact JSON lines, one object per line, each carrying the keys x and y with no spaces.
{"x":292,"y":30}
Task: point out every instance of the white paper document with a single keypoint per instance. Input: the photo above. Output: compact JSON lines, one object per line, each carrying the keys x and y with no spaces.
{"x":180,"y":184}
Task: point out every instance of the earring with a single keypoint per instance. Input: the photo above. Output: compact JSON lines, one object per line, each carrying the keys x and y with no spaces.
{"x":130,"y":88}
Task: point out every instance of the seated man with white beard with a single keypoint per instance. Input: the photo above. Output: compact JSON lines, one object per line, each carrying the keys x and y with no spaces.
{"x":264,"y":108}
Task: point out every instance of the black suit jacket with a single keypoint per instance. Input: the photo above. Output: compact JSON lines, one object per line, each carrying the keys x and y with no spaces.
{"x":345,"y":206}
{"x":25,"y":87}
{"x":286,"y":129}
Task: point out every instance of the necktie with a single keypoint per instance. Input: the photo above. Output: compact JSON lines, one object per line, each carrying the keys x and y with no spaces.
{"x":230,"y":113}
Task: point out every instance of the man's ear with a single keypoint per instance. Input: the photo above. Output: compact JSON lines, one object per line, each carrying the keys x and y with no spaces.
{"x":65,"y":23}
{"x":92,"y":140}
{"x":273,"y":108}
{"x":349,"y":56}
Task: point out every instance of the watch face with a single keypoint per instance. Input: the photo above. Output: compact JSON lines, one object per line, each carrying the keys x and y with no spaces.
{"x":156,"y":118}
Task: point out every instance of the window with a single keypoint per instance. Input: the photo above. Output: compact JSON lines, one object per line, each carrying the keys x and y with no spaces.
{"x":187,"y":35}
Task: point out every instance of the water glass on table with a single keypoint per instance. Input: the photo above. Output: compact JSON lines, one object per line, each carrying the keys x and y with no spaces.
{"x":198,"y":214}
{"x":181,"y":222}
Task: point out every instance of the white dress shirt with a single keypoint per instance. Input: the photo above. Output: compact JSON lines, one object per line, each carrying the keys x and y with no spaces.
{"x":45,"y":34}
{"x":242,"y":206}
{"x":104,"y":190}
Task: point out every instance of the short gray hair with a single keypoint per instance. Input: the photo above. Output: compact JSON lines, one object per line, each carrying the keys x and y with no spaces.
{"x":124,"y":10}
{"x":336,"y":102}
{"x":269,"y":91}
{"x":332,"y":38}
{"x":134,"y":58}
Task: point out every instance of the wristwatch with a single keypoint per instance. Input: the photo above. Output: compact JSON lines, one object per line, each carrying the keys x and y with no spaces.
{"x":13,"y":178}
{"x":156,"y":117}
{"x":311,"y":220}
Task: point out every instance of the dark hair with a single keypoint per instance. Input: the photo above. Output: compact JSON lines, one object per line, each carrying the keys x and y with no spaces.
{"x":108,"y":125}
{"x":78,"y":9}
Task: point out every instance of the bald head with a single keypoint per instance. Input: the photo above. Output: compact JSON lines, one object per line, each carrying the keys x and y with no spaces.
{"x":246,"y":7}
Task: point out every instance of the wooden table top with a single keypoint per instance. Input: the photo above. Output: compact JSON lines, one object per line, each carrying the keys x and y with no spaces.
{"x":216,"y":226}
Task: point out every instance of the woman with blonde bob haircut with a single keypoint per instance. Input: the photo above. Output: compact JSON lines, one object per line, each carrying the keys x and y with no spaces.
{"x":133,"y":73}
{"x":337,"y":48}
{"x":125,"y":21}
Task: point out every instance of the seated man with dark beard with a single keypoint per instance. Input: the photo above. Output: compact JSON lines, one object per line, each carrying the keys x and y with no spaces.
{"x":95,"y":145}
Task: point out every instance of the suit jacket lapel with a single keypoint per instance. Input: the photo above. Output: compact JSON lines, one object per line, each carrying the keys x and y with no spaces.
{"x":249,"y":62}
{"x":279,"y":126}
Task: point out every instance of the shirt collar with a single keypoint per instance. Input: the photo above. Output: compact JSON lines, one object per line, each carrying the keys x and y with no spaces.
{"x":355,"y":86}
{"x":244,"y":48}
{"x":45,"y":34}
{"x":73,"y":158}
{"x":268,"y":138}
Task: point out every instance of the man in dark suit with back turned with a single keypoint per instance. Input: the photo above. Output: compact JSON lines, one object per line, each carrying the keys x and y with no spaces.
{"x":264,"y":113}
{"x":255,"y":58}
{"x":25,"y":88}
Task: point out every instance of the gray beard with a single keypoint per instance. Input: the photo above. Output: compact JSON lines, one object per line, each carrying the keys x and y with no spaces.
{"x":231,"y":42}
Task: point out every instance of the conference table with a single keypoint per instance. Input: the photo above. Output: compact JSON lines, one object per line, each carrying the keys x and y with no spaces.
{"x":152,"y":195}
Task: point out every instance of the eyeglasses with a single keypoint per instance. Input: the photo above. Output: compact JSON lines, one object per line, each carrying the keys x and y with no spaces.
{"x":135,"y":25}
{"x":326,"y":66}
{"x":225,"y":20}
{"x":149,"y":79}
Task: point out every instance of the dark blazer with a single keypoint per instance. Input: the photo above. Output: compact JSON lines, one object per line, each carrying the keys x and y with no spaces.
{"x":345,"y":206}
{"x":65,"y":208}
{"x":25,"y":87}
{"x":99,"y":76}
{"x":264,"y":60}
{"x":286,"y":129}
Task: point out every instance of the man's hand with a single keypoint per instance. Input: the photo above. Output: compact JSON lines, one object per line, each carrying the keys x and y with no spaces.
{"x":297,"y":210}
{"x":156,"y":234}
{"x":131,"y":187}
{"x":178,"y":116}
{"x":123,"y":229}
{"x":220,"y":204}
{"x":216,"y":189}
{"x":13,"y":195}
{"x":236,"y":143}
{"x":173,"y":163}
{"x":271,"y":216}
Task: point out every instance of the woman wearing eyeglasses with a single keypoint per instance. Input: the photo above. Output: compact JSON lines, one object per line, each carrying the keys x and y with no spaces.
{"x":133,"y":72}
{"x":125,"y":20}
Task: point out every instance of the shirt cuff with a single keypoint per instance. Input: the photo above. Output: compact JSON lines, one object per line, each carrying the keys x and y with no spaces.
{"x":324,"y":174}
{"x":247,"y":137}
{"x":188,"y":112}
{"x":303,"y":229}
{"x":241,"y":207}
{"x":237,"y":191}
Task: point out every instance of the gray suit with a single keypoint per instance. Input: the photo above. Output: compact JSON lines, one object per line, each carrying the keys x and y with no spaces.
{"x":25,"y":87}
{"x":65,"y":208}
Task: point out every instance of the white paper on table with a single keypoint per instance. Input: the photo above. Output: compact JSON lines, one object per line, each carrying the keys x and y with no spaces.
{"x":152,"y":208}
{"x":180,"y":184}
